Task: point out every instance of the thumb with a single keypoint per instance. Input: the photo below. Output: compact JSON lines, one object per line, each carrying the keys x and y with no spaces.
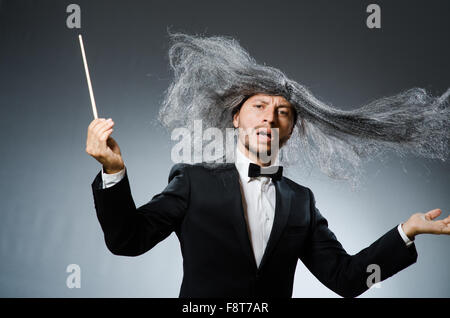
{"x":430,"y":215}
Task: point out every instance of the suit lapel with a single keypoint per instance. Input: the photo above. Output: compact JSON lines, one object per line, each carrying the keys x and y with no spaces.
{"x":282,"y":210}
{"x":238,"y":218}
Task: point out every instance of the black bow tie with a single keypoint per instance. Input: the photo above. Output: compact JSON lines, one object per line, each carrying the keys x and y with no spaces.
{"x":274,"y":172}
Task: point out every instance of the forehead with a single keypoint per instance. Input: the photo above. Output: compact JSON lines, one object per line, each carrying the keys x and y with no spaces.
{"x":270,"y":99}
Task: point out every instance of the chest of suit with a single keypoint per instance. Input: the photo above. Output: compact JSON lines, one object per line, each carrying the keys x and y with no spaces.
{"x":215,"y":224}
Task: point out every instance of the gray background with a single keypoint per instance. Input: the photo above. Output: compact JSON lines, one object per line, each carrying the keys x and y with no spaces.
{"x":47,"y":215}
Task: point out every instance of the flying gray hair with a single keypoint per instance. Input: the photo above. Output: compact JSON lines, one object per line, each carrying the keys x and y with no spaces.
{"x":214,"y":75}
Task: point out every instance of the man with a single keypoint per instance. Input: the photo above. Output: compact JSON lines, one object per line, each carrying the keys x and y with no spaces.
{"x":241,"y":230}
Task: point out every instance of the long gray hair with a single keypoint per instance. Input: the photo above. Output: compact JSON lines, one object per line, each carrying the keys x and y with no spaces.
{"x":213,"y":75}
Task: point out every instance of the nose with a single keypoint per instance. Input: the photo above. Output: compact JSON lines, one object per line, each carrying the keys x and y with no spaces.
{"x":269,"y":116}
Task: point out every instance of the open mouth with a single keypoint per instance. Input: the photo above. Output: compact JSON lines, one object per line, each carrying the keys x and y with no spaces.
{"x":264,"y":135}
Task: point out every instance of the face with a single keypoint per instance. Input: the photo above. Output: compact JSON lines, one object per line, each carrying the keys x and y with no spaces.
{"x":258,"y":116}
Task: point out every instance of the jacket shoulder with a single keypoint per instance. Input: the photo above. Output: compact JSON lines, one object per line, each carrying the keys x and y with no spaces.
{"x":202,"y":166}
{"x":199,"y":168}
{"x":298,"y":188}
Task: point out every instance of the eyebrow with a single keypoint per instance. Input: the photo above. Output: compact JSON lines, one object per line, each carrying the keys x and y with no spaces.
{"x":265,"y":102}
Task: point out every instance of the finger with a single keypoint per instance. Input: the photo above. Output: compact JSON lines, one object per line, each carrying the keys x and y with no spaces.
{"x":101,"y":121}
{"x":434,"y":227}
{"x":430,"y":215}
{"x":95,"y":123}
{"x":102,"y":127}
{"x":106,"y":134}
{"x":442,"y":227}
{"x":446,"y":220}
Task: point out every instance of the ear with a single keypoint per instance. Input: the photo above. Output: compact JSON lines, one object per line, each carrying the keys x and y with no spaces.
{"x":236,"y":120}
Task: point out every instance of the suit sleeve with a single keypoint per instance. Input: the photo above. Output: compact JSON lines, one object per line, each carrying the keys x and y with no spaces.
{"x":132,"y":231}
{"x":347,"y":274}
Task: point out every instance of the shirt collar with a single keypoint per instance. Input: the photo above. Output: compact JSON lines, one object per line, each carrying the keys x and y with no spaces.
{"x":242,"y":163}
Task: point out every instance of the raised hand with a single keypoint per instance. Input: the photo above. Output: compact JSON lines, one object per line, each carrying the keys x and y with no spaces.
{"x":102,"y":147}
{"x":425,"y":223}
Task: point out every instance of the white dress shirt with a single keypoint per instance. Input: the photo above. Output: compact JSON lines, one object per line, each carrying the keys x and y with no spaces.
{"x":258,"y":197}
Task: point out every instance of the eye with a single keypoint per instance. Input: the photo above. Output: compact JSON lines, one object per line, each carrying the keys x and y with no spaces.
{"x":258,"y":106}
{"x":284,"y":113}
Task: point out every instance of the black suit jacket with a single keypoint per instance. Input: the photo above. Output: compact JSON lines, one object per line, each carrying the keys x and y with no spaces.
{"x":203,"y":205}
